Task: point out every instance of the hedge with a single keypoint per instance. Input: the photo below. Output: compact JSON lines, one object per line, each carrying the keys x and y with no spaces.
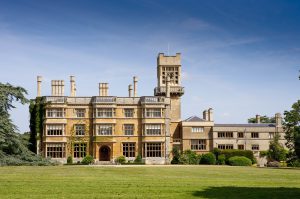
{"x":239,"y":161}
{"x":208,"y":158}
{"x":235,"y":152}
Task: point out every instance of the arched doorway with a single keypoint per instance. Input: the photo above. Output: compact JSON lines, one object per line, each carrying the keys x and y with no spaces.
{"x":104,"y":152}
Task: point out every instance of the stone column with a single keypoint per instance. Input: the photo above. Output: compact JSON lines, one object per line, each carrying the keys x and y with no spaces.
{"x":39,"y":85}
{"x":130,"y":90}
{"x":135,"y":80}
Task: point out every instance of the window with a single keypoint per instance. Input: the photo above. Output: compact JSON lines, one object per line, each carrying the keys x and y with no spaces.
{"x":225,"y":134}
{"x":55,"y":129}
{"x":240,"y":134}
{"x":153,"y":129}
{"x":255,"y":147}
{"x":79,"y":150}
{"x":153,"y":149}
{"x":128,"y":112}
{"x":128,"y":129}
{"x":79,"y":129}
{"x":55,"y":150}
{"x":198,"y":144}
{"x":241,"y":147}
{"x":105,"y":129}
{"x":55,"y":112}
{"x":271,"y":135}
{"x":225,"y":146}
{"x":80,"y":112}
{"x":153,"y":112}
{"x":197,"y":129}
{"x":105,"y":112}
{"x":129,"y":149}
{"x":254,"y":135}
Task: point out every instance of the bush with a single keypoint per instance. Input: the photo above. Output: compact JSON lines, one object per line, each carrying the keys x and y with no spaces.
{"x":189,"y":157}
{"x":235,"y":152}
{"x":216,"y":152}
{"x":239,"y":161}
{"x":70,"y":160}
{"x":87,"y":160}
{"x":138,"y":159}
{"x":221,"y":159}
{"x":208,"y":158}
{"x":121,"y":160}
{"x":273,"y":164}
{"x":176,"y":155}
{"x":294,"y":163}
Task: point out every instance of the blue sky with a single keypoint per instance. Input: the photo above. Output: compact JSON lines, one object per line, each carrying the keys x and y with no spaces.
{"x":239,"y":57}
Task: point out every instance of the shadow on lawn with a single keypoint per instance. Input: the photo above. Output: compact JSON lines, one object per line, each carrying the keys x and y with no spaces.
{"x":248,"y":192}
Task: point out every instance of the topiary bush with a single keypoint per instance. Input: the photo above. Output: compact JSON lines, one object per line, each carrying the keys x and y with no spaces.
{"x":208,"y":158}
{"x":138,"y":159}
{"x":121,"y":160}
{"x":221,"y":160}
{"x":235,"y":152}
{"x":176,"y":155}
{"x":239,"y":161}
{"x":70,"y":160}
{"x":87,"y":160}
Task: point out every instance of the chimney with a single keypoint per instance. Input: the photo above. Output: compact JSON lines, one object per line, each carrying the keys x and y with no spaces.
{"x":135,"y":80}
{"x":58,"y":87}
{"x":210,"y":114}
{"x":73,"y":86}
{"x":105,"y":89}
{"x":258,"y":119}
{"x":39,"y":86}
{"x":205,"y":115}
{"x":278,"y":119}
{"x":130,"y":90}
{"x":168,"y":87}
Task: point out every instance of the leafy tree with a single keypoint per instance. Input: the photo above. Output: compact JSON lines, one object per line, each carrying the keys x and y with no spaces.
{"x":189,"y":157}
{"x":263,"y":119}
{"x":292,"y":130}
{"x":176,"y":155}
{"x":276,"y":151}
{"x":12,"y":148}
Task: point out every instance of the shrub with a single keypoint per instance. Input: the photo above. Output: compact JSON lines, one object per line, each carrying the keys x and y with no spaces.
{"x":239,"y":161}
{"x":263,"y":154}
{"x":216,"y":152}
{"x":234,"y":152}
{"x":208,"y":158}
{"x":294,"y":163}
{"x":221,"y":159}
{"x":273,"y":164}
{"x":138,"y":159}
{"x":189,"y":157}
{"x":70,"y":160}
{"x":121,"y":160}
{"x":176,"y":155}
{"x":87,"y":160}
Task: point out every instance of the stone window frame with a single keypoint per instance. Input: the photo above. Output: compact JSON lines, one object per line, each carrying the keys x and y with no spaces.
{"x":240,"y":133}
{"x":79,"y":129}
{"x":105,"y":112}
{"x":79,"y":150}
{"x":105,"y":129}
{"x":153,"y":113}
{"x":55,"y":150}
{"x":128,"y":129}
{"x":55,"y":129}
{"x":199,"y":144}
{"x":254,"y":134}
{"x":255,"y":147}
{"x":55,"y":112}
{"x":225,"y":134}
{"x":80,"y":112}
{"x":128,"y":149}
{"x":225,"y":146}
{"x":153,"y":149}
{"x":153,"y":129}
{"x":128,"y":112}
{"x":241,"y":148}
{"x":197,"y":129}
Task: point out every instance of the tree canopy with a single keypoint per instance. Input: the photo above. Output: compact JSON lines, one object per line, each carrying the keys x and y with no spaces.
{"x":292,"y":130}
{"x":263,"y":119}
{"x":12,"y":148}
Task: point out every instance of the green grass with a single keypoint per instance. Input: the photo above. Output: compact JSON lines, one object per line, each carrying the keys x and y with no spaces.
{"x":148,"y":182}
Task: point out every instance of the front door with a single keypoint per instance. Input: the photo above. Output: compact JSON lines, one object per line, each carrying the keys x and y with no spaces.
{"x":104,"y":152}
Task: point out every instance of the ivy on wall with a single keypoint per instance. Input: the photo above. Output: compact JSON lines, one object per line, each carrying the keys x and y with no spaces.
{"x":37,"y":116}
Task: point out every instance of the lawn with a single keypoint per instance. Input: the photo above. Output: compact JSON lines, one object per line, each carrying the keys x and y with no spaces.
{"x":148,"y":182}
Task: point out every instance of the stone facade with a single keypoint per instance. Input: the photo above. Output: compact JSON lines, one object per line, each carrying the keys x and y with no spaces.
{"x":107,"y":127}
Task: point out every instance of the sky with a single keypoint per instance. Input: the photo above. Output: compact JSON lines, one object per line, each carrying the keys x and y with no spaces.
{"x":239,"y":57}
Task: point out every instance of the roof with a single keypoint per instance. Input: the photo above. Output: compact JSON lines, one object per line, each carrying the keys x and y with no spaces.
{"x":247,"y":125}
{"x":194,"y":119}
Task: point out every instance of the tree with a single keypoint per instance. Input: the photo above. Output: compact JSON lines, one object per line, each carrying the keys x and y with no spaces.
{"x":263,"y":119}
{"x":292,"y":130}
{"x":12,"y":148}
{"x":276,"y":151}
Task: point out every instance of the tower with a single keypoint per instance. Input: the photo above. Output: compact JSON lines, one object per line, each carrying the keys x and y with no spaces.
{"x":169,"y":80}
{"x":170,"y":66}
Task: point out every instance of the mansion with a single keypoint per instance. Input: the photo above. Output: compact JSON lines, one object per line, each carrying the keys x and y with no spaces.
{"x":107,"y":127}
